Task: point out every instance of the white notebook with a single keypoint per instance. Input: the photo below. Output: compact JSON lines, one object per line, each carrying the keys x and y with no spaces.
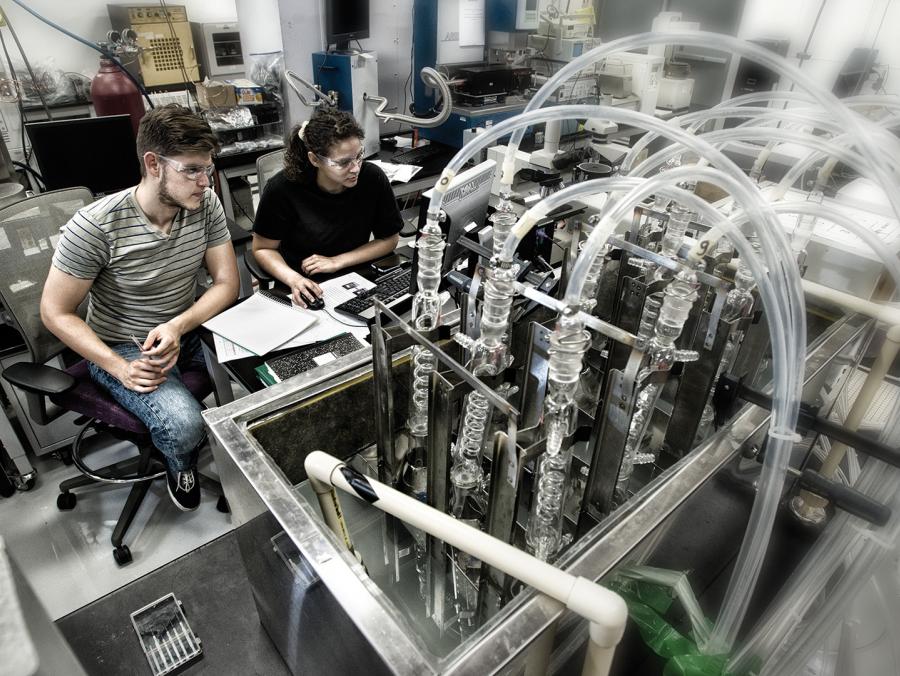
{"x":261,"y":323}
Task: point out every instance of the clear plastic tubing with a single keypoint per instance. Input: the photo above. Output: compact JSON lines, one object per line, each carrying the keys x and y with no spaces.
{"x":874,"y":552}
{"x":524,"y":120}
{"x":726,"y":136}
{"x":837,"y":152}
{"x":818,"y":210}
{"x":735,"y":603}
{"x":879,"y":158}
{"x":829,"y":552}
{"x":803,"y":165}
{"x":616,"y":115}
{"x":764,"y":510}
{"x":788,"y":347}
{"x":741,"y":103}
{"x":692,"y":122}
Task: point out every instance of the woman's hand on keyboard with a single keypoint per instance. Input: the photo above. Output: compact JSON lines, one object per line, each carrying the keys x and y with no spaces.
{"x":303,"y":288}
{"x":317,"y":265}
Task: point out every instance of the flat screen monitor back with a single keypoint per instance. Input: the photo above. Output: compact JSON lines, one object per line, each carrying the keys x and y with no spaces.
{"x":96,"y":152}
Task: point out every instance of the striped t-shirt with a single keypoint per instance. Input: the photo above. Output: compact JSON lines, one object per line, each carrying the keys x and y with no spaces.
{"x":142,"y":278}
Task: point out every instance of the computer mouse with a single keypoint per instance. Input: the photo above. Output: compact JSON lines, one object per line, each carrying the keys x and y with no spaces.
{"x":315,"y":304}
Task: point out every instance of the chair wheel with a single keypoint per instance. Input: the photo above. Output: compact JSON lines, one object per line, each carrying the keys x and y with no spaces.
{"x":122,"y":555}
{"x":222,"y":505}
{"x":25,"y":482}
{"x":66,"y":501}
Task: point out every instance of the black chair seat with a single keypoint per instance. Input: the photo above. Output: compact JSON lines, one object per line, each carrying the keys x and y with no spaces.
{"x":91,"y":400}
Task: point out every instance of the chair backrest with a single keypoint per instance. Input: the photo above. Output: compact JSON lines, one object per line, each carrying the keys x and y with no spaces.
{"x":267,"y":166}
{"x":29,"y":231}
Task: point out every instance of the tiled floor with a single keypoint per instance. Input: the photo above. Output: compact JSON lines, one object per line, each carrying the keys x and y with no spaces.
{"x":67,"y":556}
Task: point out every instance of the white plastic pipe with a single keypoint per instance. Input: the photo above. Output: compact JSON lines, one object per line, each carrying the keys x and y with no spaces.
{"x":884,"y":313}
{"x":604,"y":609}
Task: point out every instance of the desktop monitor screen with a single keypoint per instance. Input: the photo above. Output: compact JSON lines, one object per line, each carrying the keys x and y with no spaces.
{"x":96,"y":152}
{"x":465,"y":203}
{"x":346,"y":20}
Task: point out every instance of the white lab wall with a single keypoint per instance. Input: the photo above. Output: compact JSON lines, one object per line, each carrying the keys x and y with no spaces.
{"x":843,"y":25}
{"x":89,"y":20}
{"x":301,"y":35}
{"x":260,"y":27}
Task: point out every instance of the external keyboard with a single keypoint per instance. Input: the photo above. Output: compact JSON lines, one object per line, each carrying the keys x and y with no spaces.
{"x":392,"y":290}
{"x":418,"y":155}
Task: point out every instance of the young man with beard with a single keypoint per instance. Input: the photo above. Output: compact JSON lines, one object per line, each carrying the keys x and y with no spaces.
{"x":135,"y":255}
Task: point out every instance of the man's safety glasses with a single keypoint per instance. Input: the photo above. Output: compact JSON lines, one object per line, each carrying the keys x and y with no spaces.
{"x":191,"y":172}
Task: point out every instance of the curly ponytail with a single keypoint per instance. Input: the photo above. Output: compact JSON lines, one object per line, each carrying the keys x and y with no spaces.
{"x":326,"y":128}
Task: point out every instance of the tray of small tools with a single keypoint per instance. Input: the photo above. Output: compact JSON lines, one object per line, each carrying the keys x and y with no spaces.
{"x":165,"y":635}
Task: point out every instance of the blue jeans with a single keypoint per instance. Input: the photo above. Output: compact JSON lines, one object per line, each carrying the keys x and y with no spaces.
{"x":170,"y":412}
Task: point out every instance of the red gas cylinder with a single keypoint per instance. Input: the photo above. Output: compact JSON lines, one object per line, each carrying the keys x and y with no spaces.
{"x":113,"y":93}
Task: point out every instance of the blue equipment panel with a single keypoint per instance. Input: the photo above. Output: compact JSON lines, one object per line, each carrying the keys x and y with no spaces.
{"x":331,"y":71}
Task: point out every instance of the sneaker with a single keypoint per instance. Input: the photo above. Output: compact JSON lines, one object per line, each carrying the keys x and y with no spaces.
{"x":184,"y":489}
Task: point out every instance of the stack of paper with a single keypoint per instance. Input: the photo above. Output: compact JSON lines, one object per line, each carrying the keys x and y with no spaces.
{"x":397,"y":173}
{"x":260,"y":323}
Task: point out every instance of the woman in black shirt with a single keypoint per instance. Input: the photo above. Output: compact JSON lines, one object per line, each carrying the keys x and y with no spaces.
{"x":320,"y":214}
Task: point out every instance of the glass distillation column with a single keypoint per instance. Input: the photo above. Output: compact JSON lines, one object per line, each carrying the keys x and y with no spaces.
{"x":568,"y":343}
{"x":426,"y":312}
{"x":670,"y":316}
{"x":489,"y":357}
{"x":589,"y":381}
{"x":680,"y":218}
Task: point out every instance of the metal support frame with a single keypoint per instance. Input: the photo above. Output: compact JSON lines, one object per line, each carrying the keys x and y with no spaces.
{"x":695,"y":384}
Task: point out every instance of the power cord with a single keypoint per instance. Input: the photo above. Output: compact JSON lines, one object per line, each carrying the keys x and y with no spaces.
{"x":187,"y":80}
{"x":325,"y":310}
{"x":31,"y":171}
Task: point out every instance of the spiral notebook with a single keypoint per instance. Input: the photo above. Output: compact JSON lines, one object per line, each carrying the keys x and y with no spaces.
{"x":262,"y":322}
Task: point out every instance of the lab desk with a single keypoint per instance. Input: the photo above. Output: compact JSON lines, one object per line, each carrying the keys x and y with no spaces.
{"x":243,"y":371}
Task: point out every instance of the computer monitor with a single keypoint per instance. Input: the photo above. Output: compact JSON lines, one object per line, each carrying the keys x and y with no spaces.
{"x":346,"y":20}
{"x":98,"y":153}
{"x":465,"y":203}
